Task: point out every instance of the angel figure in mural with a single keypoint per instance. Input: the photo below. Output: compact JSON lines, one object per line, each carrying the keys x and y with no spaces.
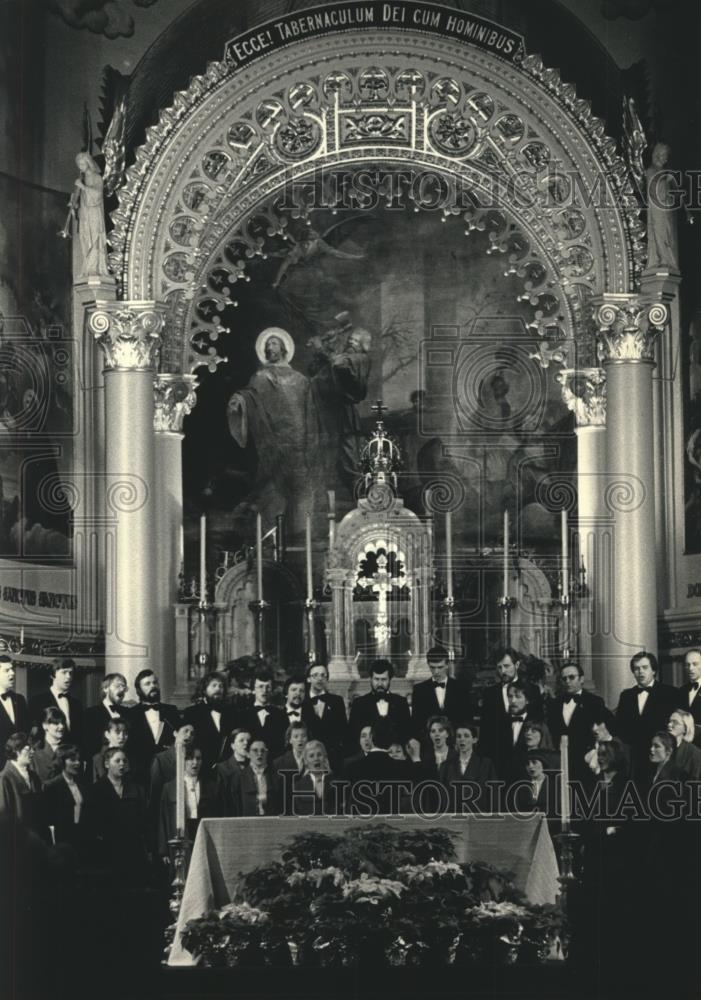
{"x":87,"y":209}
{"x":340,"y":383}
{"x":312,"y":244}
{"x":275,"y":412}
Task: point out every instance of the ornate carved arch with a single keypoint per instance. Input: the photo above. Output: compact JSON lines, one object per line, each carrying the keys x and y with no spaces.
{"x":541,"y":175}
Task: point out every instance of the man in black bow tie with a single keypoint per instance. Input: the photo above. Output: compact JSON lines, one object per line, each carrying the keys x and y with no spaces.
{"x":152,"y":725}
{"x":691,"y":691}
{"x":324,"y":714}
{"x":262,"y":719}
{"x":573,"y":714}
{"x":295,"y":691}
{"x":441,"y":695}
{"x":643,"y":710}
{"x":13,"y":707}
{"x":379,"y":703}
{"x":495,"y":704}
{"x":58,"y":696}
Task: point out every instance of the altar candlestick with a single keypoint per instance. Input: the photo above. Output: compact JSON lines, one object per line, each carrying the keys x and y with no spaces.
{"x":179,"y":788}
{"x":505,"y":592}
{"x":259,"y":555}
{"x":449,"y":554}
{"x":308,"y":527}
{"x":565,"y":782}
{"x":203,"y":559}
{"x":331,"y":494}
{"x":565,"y":569}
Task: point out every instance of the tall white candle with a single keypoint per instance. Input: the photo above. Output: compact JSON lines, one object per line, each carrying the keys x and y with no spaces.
{"x":332,"y":516}
{"x":565,"y":563}
{"x":565,"y":782}
{"x":203,"y":557}
{"x":449,"y":553}
{"x":259,"y":555}
{"x":179,"y":787}
{"x":21,"y":635}
{"x":308,"y":531}
{"x":506,"y":555}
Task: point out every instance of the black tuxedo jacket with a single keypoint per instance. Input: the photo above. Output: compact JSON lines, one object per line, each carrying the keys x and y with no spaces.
{"x":95,"y":720}
{"x":478,"y":772}
{"x":331,"y":728}
{"x":589,"y":708}
{"x":142,"y":746}
{"x":363,"y":712}
{"x":457,"y":706}
{"x":20,"y":802}
{"x":228,"y":779}
{"x":371,"y":791}
{"x":492,"y":715}
{"x":209,"y":805}
{"x":637,"y":730}
{"x":39,"y":702}
{"x":213,"y":742}
{"x":7,"y":726}
{"x":510,"y":758}
{"x":694,"y":708}
{"x":272,"y":732}
{"x":59,"y":811}
{"x":247,"y":790}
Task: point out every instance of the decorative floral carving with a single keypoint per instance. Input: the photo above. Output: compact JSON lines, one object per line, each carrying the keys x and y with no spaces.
{"x":627,"y":328}
{"x":584,"y":392}
{"x":452,"y":133}
{"x":375,"y":126}
{"x":129,"y":333}
{"x":297,"y":138}
{"x":174,"y":398}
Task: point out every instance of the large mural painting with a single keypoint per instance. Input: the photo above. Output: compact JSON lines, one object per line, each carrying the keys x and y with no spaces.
{"x":36,"y":371}
{"x":388,"y":303}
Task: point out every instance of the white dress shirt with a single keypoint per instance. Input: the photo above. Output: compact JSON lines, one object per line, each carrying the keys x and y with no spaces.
{"x":192,"y":798}
{"x":77,"y":797}
{"x":216,"y":718}
{"x":643,"y":696}
{"x":516,"y":727}
{"x":568,"y":708}
{"x":693,"y":691}
{"x":155,"y":724}
{"x":382,"y":707}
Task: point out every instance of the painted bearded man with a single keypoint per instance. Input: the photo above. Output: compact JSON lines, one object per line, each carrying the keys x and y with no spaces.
{"x":275,"y":411}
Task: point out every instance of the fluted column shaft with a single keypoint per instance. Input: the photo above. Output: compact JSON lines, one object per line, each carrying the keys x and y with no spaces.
{"x":584,"y":392}
{"x":627,"y":329}
{"x":174,"y":398}
{"x":129,"y":334}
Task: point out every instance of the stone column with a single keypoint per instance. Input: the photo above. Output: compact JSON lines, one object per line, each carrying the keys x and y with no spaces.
{"x":88,"y":484}
{"x":584,"y":392}
{"x":174,"y":398}
{"x":626,"y":331}
{"x":129,"y":334}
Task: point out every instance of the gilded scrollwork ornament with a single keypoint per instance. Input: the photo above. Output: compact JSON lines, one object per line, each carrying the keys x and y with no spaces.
{"x":129,"y":333}
{"x":584,"y":393}
{"x":174,"y":398}
{"x":627,"y":329}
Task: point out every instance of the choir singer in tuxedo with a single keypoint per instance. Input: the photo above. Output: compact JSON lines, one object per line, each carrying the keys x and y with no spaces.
{"x":644,"y":710}
{"x":58,"y":696}
{"x":573,"y":714}
{"x":324,"y":714}
{"x":380,"y":704}
{"x":14,"y":717}
{"x":97,"y":717}
{"x":441,"y":695}
{"x":212,"y":719}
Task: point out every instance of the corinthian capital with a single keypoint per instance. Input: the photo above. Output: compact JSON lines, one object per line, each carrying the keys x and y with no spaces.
{"x":627,"y":328}
{"x":584,"y":392}
{"x":174,"y":397}
{"x":129,"y":333}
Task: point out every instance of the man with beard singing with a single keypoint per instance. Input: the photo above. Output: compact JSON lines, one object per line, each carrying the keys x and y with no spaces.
{"x":152,"y":725}
{"x":212,"y":718}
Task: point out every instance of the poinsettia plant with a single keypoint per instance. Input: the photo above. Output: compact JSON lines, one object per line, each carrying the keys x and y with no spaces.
{"x":374,"y":894}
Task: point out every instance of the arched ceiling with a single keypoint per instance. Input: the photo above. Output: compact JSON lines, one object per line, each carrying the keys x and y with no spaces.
{"x":517,"y":140}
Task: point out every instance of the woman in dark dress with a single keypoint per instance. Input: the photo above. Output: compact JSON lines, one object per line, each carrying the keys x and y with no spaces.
{"x":64,"y":800}
{"x":465,"y":774}
{"x":116,"y":813}
{"x":20,"y":788}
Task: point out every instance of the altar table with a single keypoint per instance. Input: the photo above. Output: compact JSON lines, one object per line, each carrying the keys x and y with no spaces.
{"x":225,"y":847}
